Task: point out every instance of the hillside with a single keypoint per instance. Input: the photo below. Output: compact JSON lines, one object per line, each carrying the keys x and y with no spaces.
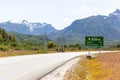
{"x":94,"y":25}
{"x":107,"y":26}
{"x":17,"y":41}
{"x":25,"y":38}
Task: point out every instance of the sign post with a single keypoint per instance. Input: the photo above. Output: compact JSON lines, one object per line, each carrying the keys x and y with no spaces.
{"x":94,"y":41}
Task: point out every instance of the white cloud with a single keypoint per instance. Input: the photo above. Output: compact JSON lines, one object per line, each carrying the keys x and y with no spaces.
{"x":64,"y":23}
{"x":86,"y":11}
{"x":83,"y":9}
{"x":67,"y":20}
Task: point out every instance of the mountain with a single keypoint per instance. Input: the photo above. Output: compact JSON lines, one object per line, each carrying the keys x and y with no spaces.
{"x":100,"y":25}
{"x":115,"y":18}
{"x":28,"y":28}
{"x":107,"y":26}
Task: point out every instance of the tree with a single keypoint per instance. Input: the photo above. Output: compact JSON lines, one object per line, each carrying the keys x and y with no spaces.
{"x":118,"y":45}
{"x":77,"y":46}
{"x":51,"y":44}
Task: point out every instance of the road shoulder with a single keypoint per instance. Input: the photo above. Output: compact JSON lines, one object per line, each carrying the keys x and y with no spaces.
{"x":59,"y":73}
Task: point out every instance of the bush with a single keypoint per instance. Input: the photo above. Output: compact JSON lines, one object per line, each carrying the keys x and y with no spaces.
{"x":4,"y":48}
{"x":51,"y":45}
{"x":14,"y":45}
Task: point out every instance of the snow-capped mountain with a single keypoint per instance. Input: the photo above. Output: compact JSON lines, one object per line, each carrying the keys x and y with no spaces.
{"x":26,"y":27}
{"x":33,"y":26}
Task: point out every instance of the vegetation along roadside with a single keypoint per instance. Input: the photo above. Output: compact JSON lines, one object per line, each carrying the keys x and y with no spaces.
{"x":104,"y":67}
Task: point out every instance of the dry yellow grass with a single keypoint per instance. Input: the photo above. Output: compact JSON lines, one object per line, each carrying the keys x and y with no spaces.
{"x":111,"y":62}
{"x":105,"y":67}
{"x":19,"y":52}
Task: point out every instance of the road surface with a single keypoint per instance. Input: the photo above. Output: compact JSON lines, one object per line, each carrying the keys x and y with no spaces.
{"x":32,"y":67}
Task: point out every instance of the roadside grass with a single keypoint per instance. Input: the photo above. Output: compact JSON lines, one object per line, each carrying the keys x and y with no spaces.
{"x":87,"y":70}
{"x":111,"y":62}
{"x":20,"y":52}
{"x":105,"y":67}
{"x":8,"y":53}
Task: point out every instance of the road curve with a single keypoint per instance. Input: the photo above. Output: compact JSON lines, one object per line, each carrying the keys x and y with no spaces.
{"x":31,"y":67}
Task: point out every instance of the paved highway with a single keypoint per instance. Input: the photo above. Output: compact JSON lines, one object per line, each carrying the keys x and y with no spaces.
{"x":31,"y":67}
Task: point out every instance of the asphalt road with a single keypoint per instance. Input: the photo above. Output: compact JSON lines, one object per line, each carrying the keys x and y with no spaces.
{"x":31,"y":67}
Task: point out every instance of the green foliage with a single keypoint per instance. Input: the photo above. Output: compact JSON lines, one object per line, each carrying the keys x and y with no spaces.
{"x":73,"y":47}
{"x":41,"y":52}
{"x":5,"y":37}
{"x":29,"y":38}
{"x":118,"y":46}
{"x":51,"y":44}
{"x":4,"y":48}
{"x":29,"y":42}
{"x":16,"y":41}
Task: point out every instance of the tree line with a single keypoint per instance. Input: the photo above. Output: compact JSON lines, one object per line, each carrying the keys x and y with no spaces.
{"x":17,"y":41}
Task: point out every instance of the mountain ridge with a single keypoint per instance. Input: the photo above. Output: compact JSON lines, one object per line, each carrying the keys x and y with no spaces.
{"x":100,"y":25}
{"x":26,"y":27}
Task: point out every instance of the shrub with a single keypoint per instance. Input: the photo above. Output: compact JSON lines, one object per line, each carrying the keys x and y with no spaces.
{"x":51,"y":45}
{"x":4,"y":48}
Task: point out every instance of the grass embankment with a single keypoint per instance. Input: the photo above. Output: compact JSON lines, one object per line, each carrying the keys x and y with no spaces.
{"x":105,"y":67}
{"x":20,"y":52}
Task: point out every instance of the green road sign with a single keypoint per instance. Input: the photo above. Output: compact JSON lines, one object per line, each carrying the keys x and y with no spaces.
{"x":94,"y":41}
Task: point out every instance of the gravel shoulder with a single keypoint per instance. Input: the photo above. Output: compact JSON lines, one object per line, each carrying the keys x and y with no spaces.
{"x":59,"y":73}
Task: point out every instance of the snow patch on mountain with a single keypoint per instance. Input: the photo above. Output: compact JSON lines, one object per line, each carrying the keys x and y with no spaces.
{"x":32,"y":26}
{"x":105,"y":17}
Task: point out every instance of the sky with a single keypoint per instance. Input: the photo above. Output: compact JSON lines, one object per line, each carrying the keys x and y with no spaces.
{"x":59,"y":13}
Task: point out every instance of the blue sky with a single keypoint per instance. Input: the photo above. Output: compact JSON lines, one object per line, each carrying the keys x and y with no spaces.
{"x":59,"y":13}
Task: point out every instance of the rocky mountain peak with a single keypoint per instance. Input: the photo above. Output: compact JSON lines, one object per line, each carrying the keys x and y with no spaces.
{"x":116,"y":13}
{"x":25,"y":22}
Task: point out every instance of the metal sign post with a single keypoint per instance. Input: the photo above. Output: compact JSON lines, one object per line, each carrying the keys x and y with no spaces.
{"x":45,"y":42}
{"x":99,"y":52}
